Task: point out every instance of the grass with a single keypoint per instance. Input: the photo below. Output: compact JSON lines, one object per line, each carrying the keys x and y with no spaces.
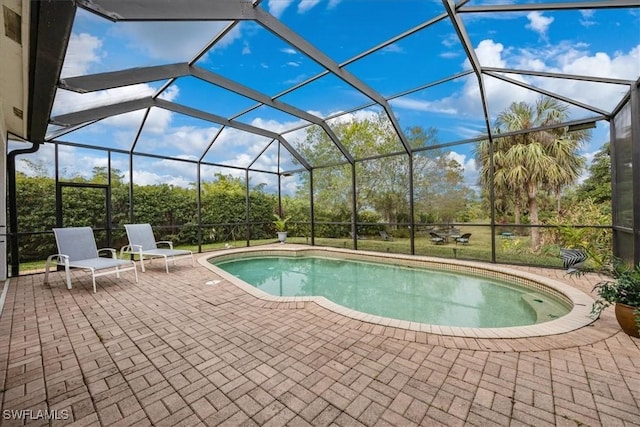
{"x":512,"y":251}
{"x":479,"y":251}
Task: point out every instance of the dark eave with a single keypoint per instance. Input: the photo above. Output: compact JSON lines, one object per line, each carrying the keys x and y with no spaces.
{"x":51,"y":23}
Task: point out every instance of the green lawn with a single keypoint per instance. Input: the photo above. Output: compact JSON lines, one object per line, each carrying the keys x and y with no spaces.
{"x":479,"y":248}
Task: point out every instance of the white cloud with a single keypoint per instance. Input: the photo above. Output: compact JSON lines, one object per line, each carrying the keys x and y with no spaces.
{"x":145,"y":177}
{"x":158,"y":121}
{"x":276,"y":125}
{"x":121,"y":126}
{"x":489,"y":54}
{"x":466,"y":101}
{"x":539,"y":23}
{"x":585,"y":172}
{"x":448,"y":55}
{"x":306,"y":5}
{"x":236,"y":147}
{"x":470,"y":130}
{"x":587,"y":18}
{"x":420,"y":105}
{"x":66,"y":101}
{"x":296,"y":136}
{"x":277,"y":7}
{"x":567,"y":58}
{"x":393,"y":48}
{"x":149,"y":171}
{"x":359,"y":115}
{"x":469,"y":165}
{"x":622,"y":65}
{"x":451,"y":40}
{"x":296,"y":79}
{"x":73,"y":162}
{"x":186,"y":140}
{"x":560,"y":57}
{"x":83,"y":51}
{"x":289,"y":51}
{"x":246,"y":49}
{"x":174,"y":41}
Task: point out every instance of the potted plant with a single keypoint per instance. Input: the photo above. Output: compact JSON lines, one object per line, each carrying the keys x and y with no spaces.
{"x":281,"y":227}
{"x":623,"y":290}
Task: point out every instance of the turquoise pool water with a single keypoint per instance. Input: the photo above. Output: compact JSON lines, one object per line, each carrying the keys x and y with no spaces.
{"x":413,"y":294}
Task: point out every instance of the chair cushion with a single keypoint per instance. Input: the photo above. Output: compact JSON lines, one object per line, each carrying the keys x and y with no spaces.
{"x":76,"y":242}
{"x":99,"y":263}
{"x":166,"y":252}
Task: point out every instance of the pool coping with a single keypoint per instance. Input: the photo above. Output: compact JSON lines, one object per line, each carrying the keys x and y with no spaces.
{"x":578,"y":317}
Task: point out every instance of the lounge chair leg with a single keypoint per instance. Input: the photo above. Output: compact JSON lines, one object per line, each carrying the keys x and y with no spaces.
{"x":68,"y":274}
{"x":46,"y":270}
{"x":135,"y":271}
{"x":142,"y":262}
{"x":166,"y":264}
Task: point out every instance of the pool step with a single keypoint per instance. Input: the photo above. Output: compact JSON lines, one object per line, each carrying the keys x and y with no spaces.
{"x":544,"y":308}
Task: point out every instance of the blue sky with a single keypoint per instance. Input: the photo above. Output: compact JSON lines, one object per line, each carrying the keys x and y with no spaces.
{"x":602,"y":43}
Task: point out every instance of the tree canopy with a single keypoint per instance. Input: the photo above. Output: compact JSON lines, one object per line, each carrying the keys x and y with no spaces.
{"x":382,"y":173}
{"x":597,"y":186}
{"x":521,"y":166}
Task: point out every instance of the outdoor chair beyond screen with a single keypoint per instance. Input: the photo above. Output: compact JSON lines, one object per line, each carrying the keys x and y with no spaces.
{"x":464,"y":239}
{"x":385,"y":236}
{"x":436,"y":238}
{"x":143,"y":243}
{"x":573,"y":259}
{"x":77,"y":249}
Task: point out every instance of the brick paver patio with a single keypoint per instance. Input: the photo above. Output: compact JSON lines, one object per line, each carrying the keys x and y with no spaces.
{"x":176,"y":350}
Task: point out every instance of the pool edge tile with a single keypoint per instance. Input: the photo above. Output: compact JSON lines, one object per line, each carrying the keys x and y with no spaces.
{"x":575,"y":319}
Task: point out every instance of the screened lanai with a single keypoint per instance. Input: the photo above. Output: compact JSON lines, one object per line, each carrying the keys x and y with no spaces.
{"x":369,"y":125}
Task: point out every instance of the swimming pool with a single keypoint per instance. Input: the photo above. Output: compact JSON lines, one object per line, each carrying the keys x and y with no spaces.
{"x":399,"y":292}
{"x":470,"y":299}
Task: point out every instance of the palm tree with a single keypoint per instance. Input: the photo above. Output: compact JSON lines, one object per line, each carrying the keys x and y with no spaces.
{"x":527,"y":163}
{"x":507,"y":190}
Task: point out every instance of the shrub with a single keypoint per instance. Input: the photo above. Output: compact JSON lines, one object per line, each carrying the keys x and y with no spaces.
{"x":596,"y":242}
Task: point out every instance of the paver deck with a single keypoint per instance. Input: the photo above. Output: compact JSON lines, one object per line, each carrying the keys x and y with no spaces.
{"x":189,"y":348}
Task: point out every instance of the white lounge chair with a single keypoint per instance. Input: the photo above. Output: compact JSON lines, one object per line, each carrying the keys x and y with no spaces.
{"x":143,"y":243}
{"x":573,"y":259}
{"x":77,"y":249}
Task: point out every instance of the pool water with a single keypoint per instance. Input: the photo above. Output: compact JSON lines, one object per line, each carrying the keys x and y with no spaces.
{"x":412,"y":294}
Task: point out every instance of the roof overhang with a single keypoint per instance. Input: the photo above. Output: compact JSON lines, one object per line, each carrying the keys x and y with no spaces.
{"x":50,"y":30}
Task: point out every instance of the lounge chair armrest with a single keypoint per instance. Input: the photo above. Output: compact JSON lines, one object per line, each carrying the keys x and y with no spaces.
{"x":125,"y":248}
{"x":111,"y":250}
{"x":130,"y":249}
{"x":165,"y":242}
{"x":60,"y":258}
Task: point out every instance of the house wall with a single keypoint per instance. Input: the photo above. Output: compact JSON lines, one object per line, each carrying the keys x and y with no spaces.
{"x":3,"y":197}
{"x":14,"y":60}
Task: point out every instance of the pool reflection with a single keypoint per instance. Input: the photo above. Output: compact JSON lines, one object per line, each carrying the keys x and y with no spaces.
{"x":404,"y":293}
